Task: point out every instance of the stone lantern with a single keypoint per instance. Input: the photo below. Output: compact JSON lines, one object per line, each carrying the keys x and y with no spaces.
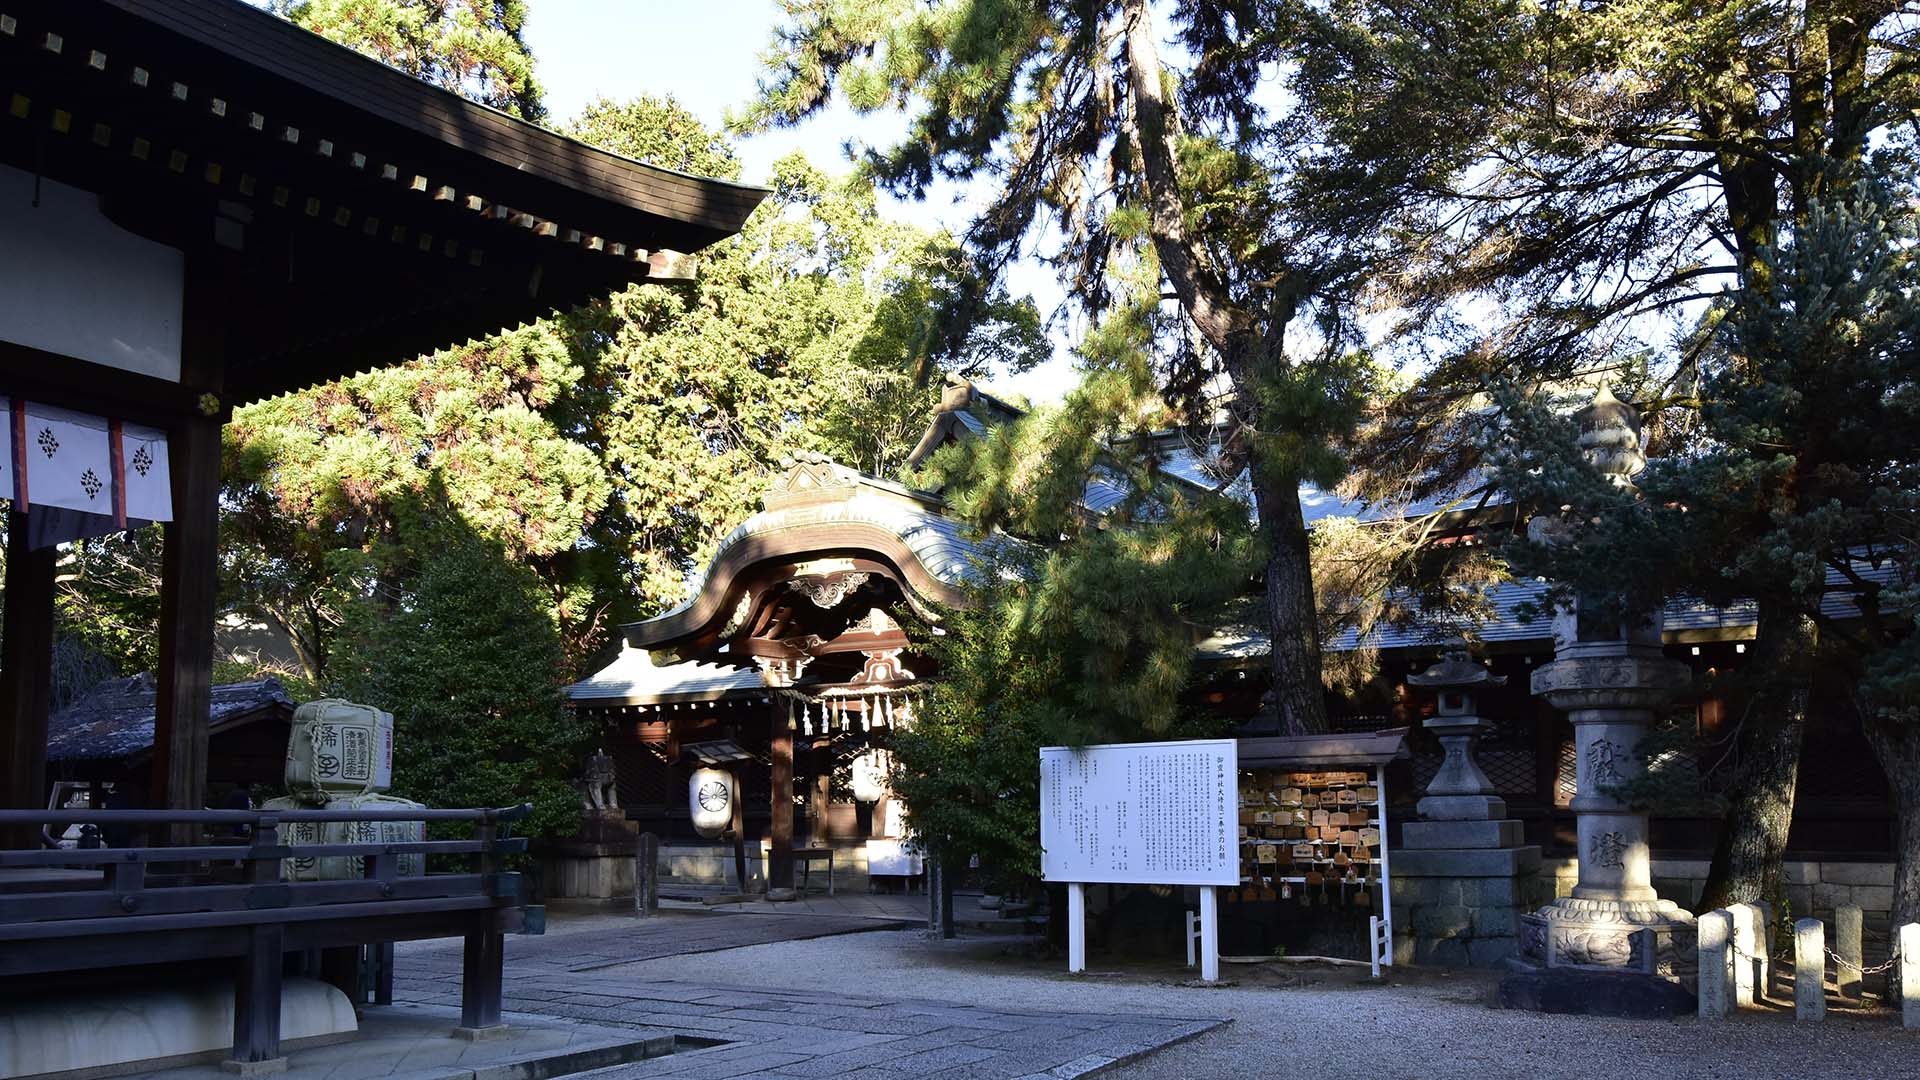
{"x":1609,"y":675}
{"x":1459,"y":791}
{"x":1464,"y":874}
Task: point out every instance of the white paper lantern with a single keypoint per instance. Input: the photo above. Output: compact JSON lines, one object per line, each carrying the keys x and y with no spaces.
{"x":710,"y":797}
{"x":869,"y":776}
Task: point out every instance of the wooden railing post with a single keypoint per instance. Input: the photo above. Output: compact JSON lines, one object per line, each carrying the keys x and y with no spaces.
{"x":256,"y":993}
{"x":483,"y":966}
{"x":384,"y":867}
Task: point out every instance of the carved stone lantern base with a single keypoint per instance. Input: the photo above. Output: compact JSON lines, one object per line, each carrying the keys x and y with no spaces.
{"x":1648,"y":937}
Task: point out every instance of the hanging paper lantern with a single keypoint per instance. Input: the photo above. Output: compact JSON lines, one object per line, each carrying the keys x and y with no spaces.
{"x":710,"y":797}
{"x":869,"y":776}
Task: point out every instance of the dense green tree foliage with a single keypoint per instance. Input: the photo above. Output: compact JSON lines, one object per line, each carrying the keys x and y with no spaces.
{"x":466,"y":654}
{"x":659,"y":131}
{"x":803,"y":333}
{"x":473,"y":47}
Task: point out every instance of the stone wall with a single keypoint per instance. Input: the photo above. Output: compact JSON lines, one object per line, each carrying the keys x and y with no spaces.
{"x":1814,"y":889}
{"x":1462,"y":908}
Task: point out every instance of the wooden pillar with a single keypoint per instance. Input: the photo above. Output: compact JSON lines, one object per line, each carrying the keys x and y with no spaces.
{"x":188,"y":588}
{"x":819,"y":792}
{"x":256,"y":997}
{"x":480,"y":981}
{"x":26,"y":678}
{"x":780,"y":802}
{"x":256,"y":989}
{"x":739,"y":828}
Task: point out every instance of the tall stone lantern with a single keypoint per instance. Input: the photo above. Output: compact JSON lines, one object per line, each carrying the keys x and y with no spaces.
{"x":1609,"y":675}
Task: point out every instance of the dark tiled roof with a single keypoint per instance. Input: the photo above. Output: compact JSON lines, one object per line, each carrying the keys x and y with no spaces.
{"x":115,"y":718}
{"x":1504,"y":622}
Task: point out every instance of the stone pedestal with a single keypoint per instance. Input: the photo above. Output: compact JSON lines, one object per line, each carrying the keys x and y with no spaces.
{"x":1461,"y":907}
{"x":1609,"y":688}
{"x":597,"y":861}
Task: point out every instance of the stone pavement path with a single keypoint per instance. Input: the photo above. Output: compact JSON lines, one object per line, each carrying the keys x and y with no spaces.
{"x":770,"y":1034}
{"x":603,"y":941}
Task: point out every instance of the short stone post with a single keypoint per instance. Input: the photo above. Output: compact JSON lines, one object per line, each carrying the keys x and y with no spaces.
{"x":1907,"y":940}
{"x":646,"y":875}
{"x":1809,"y":970}
{"x":1716,"y":965}
{"x":1847,"y":953}
{"x":1763,"y":913}
{"x":1749,"y":957}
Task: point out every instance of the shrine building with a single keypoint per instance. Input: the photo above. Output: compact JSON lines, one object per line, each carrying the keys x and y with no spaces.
{"x":202,"y":205}
{"x":788,"y":668}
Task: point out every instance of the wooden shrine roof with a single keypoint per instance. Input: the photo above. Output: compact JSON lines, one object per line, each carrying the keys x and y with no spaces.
{"x":1323,"y":751}
{"x":336,"y":214}
{"x":114,"y":720}
{"x":686,"y":212}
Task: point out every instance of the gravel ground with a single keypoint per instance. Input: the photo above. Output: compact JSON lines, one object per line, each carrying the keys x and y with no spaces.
{"x":1319,"y":1023}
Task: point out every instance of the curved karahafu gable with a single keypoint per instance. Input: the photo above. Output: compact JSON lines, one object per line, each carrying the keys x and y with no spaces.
{"x":821,"y":514}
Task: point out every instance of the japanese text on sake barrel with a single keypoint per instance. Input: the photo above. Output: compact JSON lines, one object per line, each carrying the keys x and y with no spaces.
{"x":1143,"y":813}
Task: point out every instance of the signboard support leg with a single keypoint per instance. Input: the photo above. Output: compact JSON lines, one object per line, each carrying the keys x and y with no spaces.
{"x":1386,"y":876}
{"x":1209,"y":933}
{"x":1076,"y":928}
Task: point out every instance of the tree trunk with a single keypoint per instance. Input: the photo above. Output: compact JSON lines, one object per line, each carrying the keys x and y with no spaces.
{"x":1297,"y":694}
{"x":1896,"y":745}
{"x":1747,"y":860}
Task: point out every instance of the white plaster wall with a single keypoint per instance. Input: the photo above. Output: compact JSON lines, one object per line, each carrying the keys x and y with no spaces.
{"x":68,"y":1032}
{"x":74,"y":283}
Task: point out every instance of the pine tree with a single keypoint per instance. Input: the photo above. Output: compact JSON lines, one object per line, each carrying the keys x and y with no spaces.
{"x":1799,"y":490}
{"x":1089,"y":139}
{"x":1563,"y":188}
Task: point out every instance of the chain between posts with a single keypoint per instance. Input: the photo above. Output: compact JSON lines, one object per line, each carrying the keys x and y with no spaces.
{"x":1839,"y":961}
{"x":1875,"y":970}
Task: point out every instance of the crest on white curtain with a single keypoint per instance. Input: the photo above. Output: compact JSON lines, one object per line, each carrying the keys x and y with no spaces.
{"x":79,"y":476}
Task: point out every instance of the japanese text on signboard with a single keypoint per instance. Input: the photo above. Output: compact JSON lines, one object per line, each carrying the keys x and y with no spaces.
{"x":1145,"y":813}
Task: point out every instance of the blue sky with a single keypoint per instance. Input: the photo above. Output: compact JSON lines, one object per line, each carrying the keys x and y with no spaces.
{"x":706,"y":54}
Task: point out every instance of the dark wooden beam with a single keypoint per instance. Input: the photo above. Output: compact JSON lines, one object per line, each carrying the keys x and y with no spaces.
{"x":26,"y":677}
{"x":188,"y":589}
{"x":53,"y":379}
{"x":780,"y":802}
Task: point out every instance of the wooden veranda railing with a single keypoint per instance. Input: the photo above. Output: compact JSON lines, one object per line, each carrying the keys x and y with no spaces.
{"x":232,"y":899}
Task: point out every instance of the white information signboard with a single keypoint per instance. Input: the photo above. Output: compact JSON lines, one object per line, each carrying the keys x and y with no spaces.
{"x":1141,"y":813}
{"x":1160,"y":813}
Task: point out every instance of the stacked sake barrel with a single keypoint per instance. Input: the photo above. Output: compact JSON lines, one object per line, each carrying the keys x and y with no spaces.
{"x":340,"y":757}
